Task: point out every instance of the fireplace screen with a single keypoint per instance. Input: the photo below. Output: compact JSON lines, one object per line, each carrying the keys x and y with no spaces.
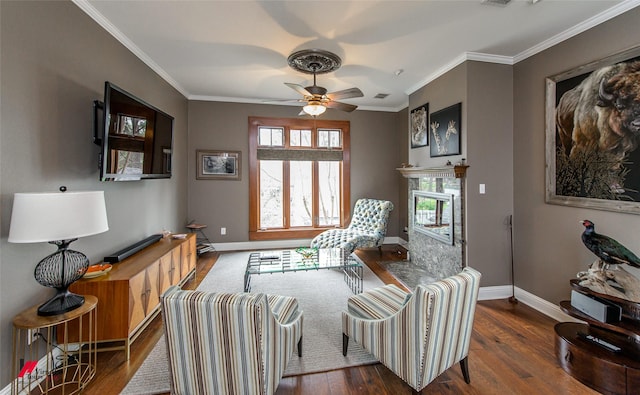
{"x":433,"y":215}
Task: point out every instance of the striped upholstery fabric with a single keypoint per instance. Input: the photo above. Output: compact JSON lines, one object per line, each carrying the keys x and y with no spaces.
{"x":420,"y":339}
{"x":220,"y":343}
{"x":377,"y":303}
{"x":368,"y":227}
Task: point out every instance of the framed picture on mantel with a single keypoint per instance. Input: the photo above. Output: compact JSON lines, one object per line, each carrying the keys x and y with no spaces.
{"x":445,"y":130}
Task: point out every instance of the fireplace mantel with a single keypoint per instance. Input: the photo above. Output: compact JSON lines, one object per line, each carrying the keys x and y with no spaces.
{"x":457,"y":171}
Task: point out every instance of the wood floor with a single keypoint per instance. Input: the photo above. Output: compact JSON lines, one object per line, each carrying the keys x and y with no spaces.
{"x":512,"y":352}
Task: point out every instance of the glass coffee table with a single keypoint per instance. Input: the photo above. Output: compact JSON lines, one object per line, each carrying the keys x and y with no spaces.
{"x":282,"y":261}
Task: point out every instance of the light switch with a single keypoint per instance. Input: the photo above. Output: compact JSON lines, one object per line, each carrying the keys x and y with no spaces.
{"x":482,"y":189}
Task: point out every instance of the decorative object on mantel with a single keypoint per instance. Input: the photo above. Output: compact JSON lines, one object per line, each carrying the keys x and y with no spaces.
{"x":457,"y":171}
{"x":445,"y":127}
{"x":601,"y":274}
{"x":59,"y":219}
{"x":418,"y":121}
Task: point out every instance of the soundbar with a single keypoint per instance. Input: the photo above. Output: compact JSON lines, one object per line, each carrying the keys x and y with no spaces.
{"x":132,"y":249}
{"x":597,"y":308}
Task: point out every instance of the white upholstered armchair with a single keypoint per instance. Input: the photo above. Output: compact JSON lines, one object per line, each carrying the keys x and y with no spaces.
{"x":221,"y":343}
{"x":417,"y":336}
{"x":367,"y":228}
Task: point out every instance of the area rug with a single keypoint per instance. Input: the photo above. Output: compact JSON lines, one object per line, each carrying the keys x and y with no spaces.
{"x":321,"y":294}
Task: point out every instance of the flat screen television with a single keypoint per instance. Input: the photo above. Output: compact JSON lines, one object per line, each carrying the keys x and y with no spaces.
{"x":136,"y":137}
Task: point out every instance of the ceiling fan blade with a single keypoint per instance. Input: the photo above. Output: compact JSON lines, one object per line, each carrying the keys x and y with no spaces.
{"x":298,"y":88}
{"x":341,"y":106}
{"x":345,"y":94}
{"x":284,"y":101}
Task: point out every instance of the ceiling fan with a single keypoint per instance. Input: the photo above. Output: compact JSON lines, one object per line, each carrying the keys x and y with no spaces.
{"x":317,"y":61}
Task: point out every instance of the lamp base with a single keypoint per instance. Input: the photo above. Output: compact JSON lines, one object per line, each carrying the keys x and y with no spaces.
{"x":61,"y":303}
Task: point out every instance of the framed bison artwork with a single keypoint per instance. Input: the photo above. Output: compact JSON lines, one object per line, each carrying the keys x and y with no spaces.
{"x":593,"y":134}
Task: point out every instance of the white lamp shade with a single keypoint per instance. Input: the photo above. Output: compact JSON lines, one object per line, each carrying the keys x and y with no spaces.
{"x":314,"y":109}
{"x":44,"y":217}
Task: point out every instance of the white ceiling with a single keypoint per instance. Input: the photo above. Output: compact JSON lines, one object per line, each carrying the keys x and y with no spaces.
{"x":237,"y":50}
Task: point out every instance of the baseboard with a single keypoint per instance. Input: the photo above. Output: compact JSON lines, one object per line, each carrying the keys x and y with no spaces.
{"x":41,"y":367}
{"x":261,"y":245}
{"x":278,"y":244}
{"x":535,"y":302}
{"x":547,"y":308}
{"x":486,"y":293}
{"x":492,"y":293}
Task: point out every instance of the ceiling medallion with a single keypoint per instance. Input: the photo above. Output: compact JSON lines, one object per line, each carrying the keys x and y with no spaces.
{"x":316,"y":61}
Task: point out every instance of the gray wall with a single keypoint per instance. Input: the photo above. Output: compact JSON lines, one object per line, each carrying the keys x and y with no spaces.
{"x":403,"y":143}
{"x":486,"y":93}
{"x":548,"y":249}
{"x":375,"y":153}
{"x":54,"y":62}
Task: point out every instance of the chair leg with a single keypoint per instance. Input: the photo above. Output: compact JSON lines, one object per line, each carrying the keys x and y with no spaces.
{"x":300,"y":347}
{"x":380,"y":250}
{"x":464,"y":365}
{"x":345,"y":344}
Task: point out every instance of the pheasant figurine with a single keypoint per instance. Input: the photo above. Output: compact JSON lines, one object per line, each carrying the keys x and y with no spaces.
{"x":607,"y":249}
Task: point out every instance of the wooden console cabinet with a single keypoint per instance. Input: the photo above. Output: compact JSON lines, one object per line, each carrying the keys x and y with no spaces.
{"x":129,"y":295}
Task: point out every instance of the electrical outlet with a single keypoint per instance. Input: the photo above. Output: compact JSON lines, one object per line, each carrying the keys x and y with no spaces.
{"x":223,"y":231}
{"x":31,"y":336}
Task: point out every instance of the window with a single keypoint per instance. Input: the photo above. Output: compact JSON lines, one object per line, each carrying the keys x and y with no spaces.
{"x":298,"y":176}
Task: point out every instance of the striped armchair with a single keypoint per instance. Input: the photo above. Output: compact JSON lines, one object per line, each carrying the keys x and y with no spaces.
{"x":220,"y":343}
{"x":417,"y":336}
{"x":368,"y":228}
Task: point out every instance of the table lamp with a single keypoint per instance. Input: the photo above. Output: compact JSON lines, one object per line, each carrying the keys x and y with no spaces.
{"x":58,"y":218}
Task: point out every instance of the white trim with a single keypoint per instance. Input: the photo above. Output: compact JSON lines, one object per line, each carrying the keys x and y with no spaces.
{"x":535,"y":302}
{"x":291,"y":103}
{"x":261,"y":245}
{"x":604,"y":16}
{"x":439,"y":72}
{"x":610,"y":13}
{"x":90,"y":10}
{"x":486,"y":293}
{"x":547,"y":308}
{"x":41,"y":367}
{"x":496,"y":292}
{"x":279,"y":244}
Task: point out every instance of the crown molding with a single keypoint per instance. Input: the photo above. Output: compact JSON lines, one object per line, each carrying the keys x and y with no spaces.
{"x":90,"y":10}
{"x":604,"y":16}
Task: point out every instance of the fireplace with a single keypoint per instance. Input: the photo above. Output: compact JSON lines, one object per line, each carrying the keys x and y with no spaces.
{"x":436,"y":219}
{"x":433,"y":214}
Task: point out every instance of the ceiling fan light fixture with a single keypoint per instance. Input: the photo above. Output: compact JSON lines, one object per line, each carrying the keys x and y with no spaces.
{"x":314,"y":109}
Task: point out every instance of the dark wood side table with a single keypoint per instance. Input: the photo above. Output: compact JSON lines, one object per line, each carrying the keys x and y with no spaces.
{"x":61,"y":368}
{"x":606,"y":371}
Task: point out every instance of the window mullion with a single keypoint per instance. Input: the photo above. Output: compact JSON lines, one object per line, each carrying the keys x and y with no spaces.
{"x":316,"y":194}
{"x":286,"y":194}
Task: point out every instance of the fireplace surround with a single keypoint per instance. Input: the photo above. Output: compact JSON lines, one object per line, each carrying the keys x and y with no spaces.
{"x":436,"y":218}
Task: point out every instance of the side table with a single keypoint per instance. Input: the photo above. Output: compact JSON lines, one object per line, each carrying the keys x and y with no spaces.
{"x":203,"y":244}
{"x":64,"y":368}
